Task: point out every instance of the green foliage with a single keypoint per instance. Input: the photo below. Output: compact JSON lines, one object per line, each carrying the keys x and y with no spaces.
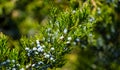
{"x":3,"y":44}
{"x":92,"y":26}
